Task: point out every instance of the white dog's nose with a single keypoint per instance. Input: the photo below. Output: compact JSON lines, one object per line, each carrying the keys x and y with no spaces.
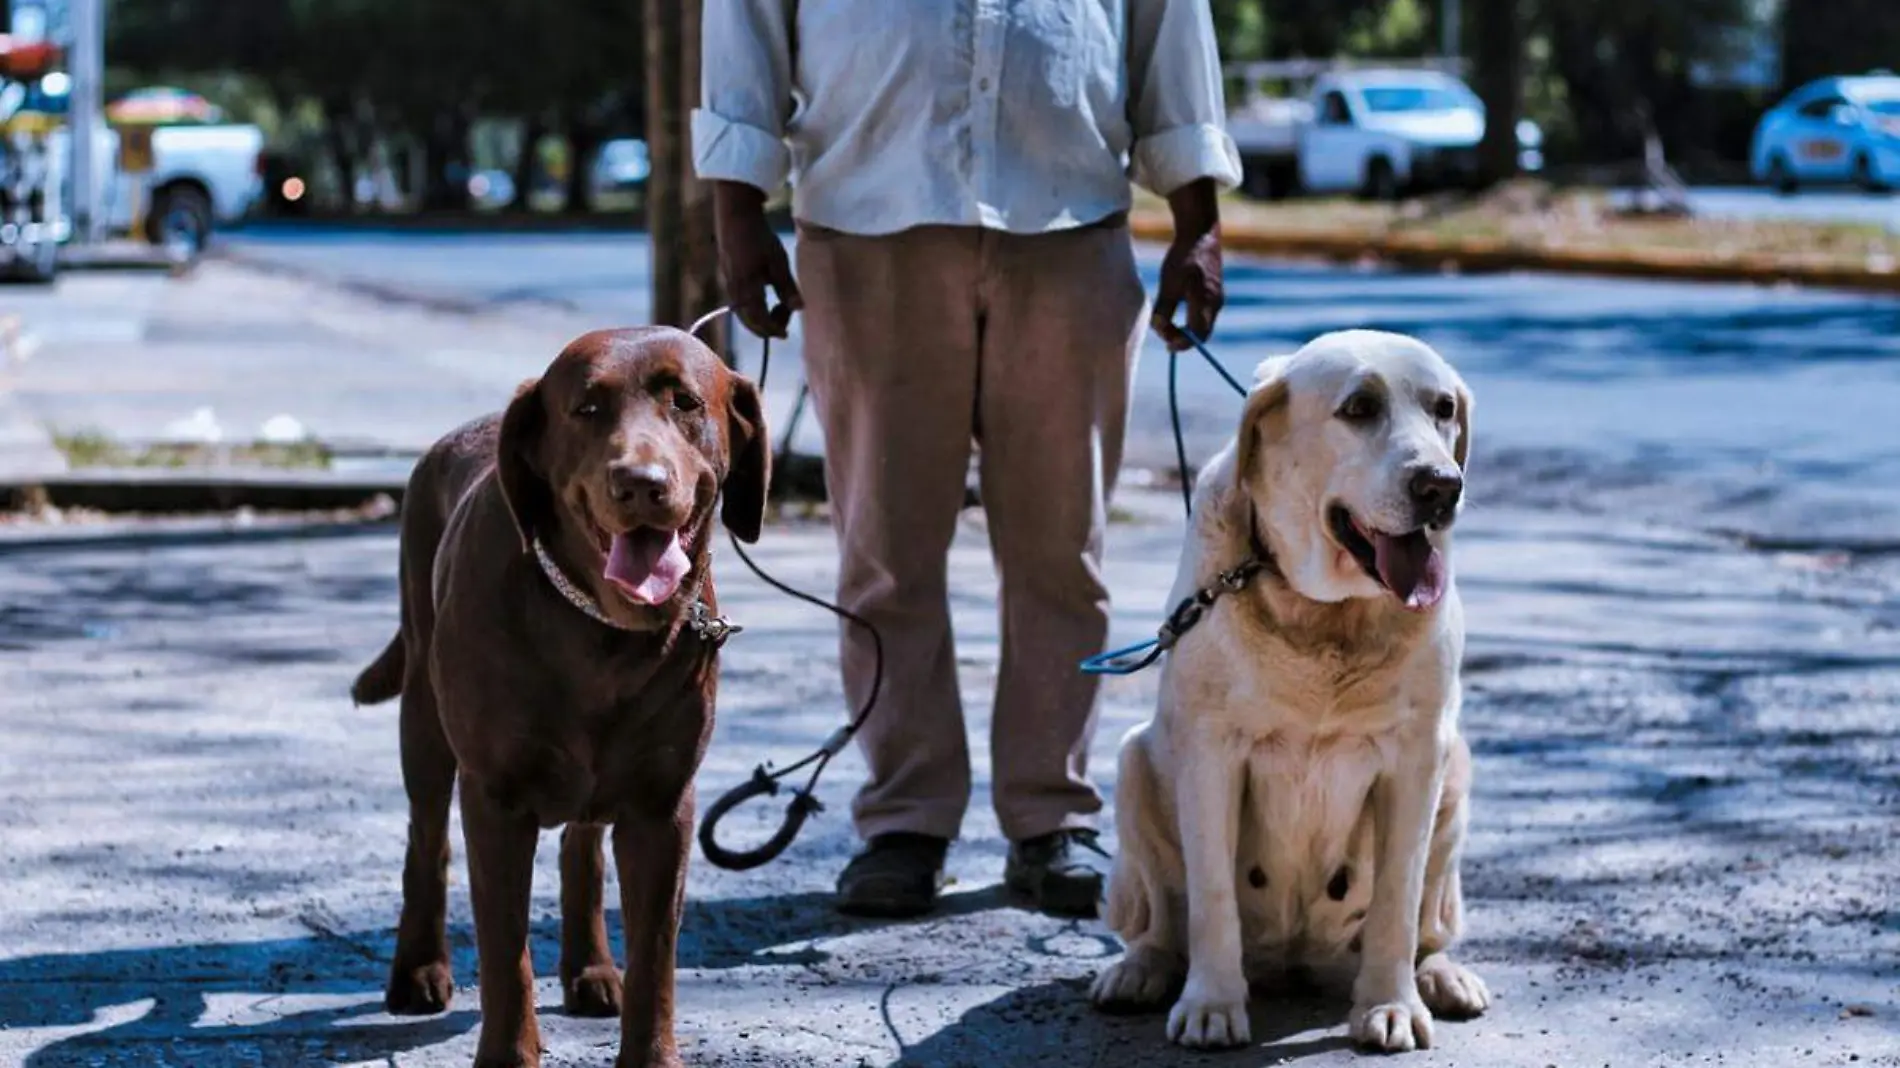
{"x":1435,"y":492}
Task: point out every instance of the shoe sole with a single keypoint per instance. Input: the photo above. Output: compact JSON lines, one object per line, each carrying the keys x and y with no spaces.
{"x":1076,"y":907}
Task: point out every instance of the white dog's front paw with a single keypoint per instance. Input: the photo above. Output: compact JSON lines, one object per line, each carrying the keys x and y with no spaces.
{"x":1398,"y":1026}
{"x":1211,"y":1015}
{"x":1450,"y":989}
{"x":1140,"y":980}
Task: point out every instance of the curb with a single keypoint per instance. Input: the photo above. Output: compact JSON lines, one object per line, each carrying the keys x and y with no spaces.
{"x":1492,"y":255}
{"x":171,"y":492}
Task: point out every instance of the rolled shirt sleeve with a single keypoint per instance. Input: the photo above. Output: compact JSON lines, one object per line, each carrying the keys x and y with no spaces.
{"x":1177,"y":105}
{"x":745,"y":93}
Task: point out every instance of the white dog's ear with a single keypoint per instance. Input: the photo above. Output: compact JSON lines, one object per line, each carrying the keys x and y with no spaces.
{"x":1461,"y":449}
{"x":1264,"y":401}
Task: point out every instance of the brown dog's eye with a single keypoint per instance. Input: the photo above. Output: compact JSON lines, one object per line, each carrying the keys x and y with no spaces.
{"x":686,"y":402}
{"x":587,"y":410}
{"x":1361,"y":408}
{"x":1445,"y":408}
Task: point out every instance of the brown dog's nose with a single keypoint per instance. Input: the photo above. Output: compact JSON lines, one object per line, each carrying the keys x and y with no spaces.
{"x":1435,"y":492}
{"x":637,"y":482}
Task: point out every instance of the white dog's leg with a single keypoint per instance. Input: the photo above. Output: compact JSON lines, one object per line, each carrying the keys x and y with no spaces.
{"x":1449,"y":989}
{"x":1212,"y":1010}
{"x":1387,"y":1012}
{"x":1145,"y":888}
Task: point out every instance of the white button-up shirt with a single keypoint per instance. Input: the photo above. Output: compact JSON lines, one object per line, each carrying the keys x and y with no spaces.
{"x":1017,"y":115}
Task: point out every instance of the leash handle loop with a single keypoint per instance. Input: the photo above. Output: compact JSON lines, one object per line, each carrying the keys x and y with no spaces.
{"x":762,"y":784}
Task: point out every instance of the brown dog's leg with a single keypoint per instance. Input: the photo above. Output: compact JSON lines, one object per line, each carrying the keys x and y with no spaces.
{"x":650,"y":852}
{"x":590,"y":984}
{"x":420,"y":979}
{"x":500,"y":880}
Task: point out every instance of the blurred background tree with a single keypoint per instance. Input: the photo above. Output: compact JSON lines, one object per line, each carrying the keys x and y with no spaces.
{"x":401,"y":99}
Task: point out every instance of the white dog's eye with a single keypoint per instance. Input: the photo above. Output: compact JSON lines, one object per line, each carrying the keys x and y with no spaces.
{"x":1445,"y":407}
{"x":1361,"y":408}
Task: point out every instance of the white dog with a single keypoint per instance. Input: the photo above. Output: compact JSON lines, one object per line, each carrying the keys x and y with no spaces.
{"x":1299,"y":798}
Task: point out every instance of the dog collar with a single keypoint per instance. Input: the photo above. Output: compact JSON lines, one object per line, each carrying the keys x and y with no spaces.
{"x":700,"y":619}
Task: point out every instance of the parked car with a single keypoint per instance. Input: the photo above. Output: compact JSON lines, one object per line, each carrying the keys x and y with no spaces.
{"x":1378,"y":132}
{"x":199,"y":176}
{"x":1832,"y":131}
{"x":621,"y":166}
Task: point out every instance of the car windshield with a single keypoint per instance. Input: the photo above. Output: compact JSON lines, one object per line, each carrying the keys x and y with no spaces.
{"x":1413,"y":98}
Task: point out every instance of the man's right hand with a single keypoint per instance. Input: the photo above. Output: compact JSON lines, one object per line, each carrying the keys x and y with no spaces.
{"x":751,"y":259}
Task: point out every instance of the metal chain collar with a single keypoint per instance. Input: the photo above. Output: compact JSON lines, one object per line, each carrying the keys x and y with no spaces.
{"x":700,"y":619}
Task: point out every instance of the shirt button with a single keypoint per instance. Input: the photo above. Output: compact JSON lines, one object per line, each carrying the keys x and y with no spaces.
{"x":983,"y":85}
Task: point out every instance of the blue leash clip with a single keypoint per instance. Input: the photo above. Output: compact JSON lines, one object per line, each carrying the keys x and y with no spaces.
{"x":1132,"y":658}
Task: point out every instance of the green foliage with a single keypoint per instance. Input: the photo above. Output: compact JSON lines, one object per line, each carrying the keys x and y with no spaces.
{"x":363,"y":77}
{"x":1825,"y":37}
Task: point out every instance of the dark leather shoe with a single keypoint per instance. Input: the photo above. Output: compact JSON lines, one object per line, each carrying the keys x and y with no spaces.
{"x":897,"y":876}
{"x":1061,"y":873}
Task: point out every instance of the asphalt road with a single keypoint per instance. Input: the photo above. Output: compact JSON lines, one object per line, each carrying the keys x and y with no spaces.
{"x":1767,"y":410}
{"x":1681,"y":845}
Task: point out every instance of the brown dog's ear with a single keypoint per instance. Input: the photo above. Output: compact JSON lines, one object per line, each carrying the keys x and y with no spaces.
{"x":1461,"y":449}
{"x":1266,"y":398}
{"x":750,"y":472}
{"x":530,"y":500}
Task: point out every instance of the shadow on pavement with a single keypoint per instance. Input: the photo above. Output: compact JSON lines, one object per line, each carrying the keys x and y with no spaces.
{"x":211,"y":1005}
{"x":1053,"y":1024}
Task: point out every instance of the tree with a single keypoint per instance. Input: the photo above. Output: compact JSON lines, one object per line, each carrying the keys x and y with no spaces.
{"x":679,"y":207}
{"x":1823,"y":37}
{"x":1498,"y":79}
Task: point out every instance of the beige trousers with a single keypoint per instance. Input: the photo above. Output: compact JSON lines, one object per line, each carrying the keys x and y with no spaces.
{"x":918,"y":345}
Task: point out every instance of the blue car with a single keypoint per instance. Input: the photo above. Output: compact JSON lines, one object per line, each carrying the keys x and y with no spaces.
{"x":1835,"y":130}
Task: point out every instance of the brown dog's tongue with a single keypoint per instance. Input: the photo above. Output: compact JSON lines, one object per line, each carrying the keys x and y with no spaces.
{"x":648,"y":565}
{"x":1411,"y":567}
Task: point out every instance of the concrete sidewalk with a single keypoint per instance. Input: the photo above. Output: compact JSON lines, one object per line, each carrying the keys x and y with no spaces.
{"x":1684,"y":838}
{"x":139,"y":358}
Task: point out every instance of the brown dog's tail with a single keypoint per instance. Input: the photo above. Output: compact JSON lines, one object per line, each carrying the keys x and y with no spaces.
{"x":381,"y":680}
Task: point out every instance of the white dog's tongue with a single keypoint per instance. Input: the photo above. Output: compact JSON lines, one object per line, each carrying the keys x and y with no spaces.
{"x":1411,"y":567}
{"x":648,"y":565}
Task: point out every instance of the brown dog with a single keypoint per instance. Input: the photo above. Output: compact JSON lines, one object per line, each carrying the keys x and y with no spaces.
{"x":557,"y":657}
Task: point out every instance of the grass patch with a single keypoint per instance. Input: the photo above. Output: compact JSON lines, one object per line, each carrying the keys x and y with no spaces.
{"x":90,"y":448}
{"x":1533,"y":215}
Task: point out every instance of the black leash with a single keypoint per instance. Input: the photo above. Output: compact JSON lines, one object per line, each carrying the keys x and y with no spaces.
{"x":1132,"y":658}
{"x":765,"y":781}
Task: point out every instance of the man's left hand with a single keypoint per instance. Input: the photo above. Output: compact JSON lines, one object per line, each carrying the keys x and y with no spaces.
{"x":1191,"y":271}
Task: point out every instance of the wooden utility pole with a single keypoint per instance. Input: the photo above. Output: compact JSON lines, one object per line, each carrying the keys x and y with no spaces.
{"x":678,"y":205}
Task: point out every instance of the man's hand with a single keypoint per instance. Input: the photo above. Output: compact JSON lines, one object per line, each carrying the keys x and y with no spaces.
{"x":751,"y":258}
{"x":1191,"y":271}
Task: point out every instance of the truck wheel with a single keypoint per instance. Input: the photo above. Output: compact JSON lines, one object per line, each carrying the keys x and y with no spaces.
{"x":1382,"y":182}
{"x":180,"y":222}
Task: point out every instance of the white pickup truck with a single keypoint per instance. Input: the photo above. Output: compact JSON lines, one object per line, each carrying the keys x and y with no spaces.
{"x":1376,"y":132}
{"x":201,"y":178}
{"x":194,"y":178}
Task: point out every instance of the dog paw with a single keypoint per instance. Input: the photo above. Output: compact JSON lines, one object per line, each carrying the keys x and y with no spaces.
{"x":1451,"y":990}
{"x":1211,"y":1016}
{"x":594,"y":992}
{"x":419,"y":990}
{"x":1393,"y":1026}
{"x":1141,"y":980}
